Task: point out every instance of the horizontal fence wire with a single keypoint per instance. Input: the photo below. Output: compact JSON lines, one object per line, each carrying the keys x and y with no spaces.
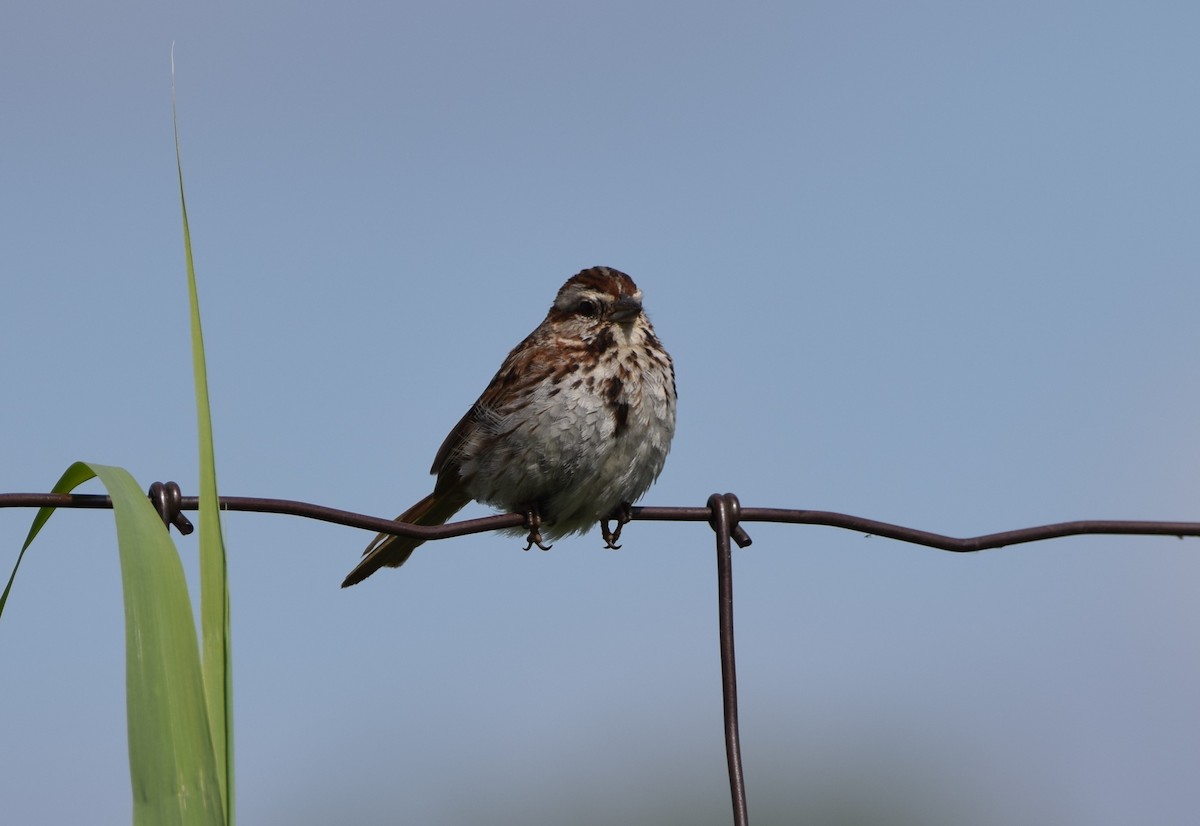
{"x":464,"y":527}
{"x":723,"y":513}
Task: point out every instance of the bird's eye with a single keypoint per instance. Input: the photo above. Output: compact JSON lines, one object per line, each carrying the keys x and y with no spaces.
{"x":587,"y":309}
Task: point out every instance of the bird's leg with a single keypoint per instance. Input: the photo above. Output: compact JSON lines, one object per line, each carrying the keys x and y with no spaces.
{"x":533,"y":521}
{"x":621,"y":514}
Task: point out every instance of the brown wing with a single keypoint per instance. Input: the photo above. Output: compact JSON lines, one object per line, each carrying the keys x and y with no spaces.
{"x":514,"y":376}
{"x":453,"y":442}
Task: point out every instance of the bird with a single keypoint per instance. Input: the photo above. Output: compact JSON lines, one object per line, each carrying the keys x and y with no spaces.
{"x":574,"y":427}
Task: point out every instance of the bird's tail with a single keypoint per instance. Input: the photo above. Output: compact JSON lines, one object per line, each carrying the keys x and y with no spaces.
{"x":394,"y":551}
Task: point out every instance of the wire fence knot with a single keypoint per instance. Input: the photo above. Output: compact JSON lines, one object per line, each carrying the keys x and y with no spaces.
{"x":727,"y":510}
{"x":167,"y":499}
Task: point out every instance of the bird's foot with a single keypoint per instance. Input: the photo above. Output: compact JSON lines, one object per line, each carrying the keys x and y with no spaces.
{"x":533,"y":521}
{"x":621,"y":515}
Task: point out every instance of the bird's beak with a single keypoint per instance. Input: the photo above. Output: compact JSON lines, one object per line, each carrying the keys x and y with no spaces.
{"x":626,"y":309}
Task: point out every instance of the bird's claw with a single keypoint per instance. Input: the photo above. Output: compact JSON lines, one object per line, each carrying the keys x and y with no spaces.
{"x":535,"y":538}
{"x":609,"y":536}
{"x":533,"y":521}
{"x":621,"y":515}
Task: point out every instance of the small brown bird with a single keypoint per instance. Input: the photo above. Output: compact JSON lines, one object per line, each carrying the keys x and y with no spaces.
{"x":574,"y":427}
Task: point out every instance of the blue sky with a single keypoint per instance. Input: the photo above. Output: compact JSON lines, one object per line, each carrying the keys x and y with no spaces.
{"x":931,"y":263}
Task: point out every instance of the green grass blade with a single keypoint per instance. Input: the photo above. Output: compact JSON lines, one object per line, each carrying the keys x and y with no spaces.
{"x":214,"y":584}
{"x":172,"y":765}
{"x":74,"y":476}
{"x":175,"y":773}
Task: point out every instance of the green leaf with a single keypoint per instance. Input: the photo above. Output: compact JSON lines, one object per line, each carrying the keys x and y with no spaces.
{"x":178,"y":706}
{"x":172,"y":765}
{"x":75,"y":475}
{"x":214,"y":584}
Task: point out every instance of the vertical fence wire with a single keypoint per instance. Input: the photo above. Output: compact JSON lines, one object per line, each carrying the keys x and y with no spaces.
{"x":723,"y":511}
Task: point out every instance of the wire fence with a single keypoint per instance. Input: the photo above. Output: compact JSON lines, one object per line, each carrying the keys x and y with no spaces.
{"x":723,"y":513}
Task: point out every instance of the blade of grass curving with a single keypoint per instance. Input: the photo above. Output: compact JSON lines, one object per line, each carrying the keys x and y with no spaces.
{"x":214,"y":584}
{"x":172,"y":766}
{"x":74,"y":476}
